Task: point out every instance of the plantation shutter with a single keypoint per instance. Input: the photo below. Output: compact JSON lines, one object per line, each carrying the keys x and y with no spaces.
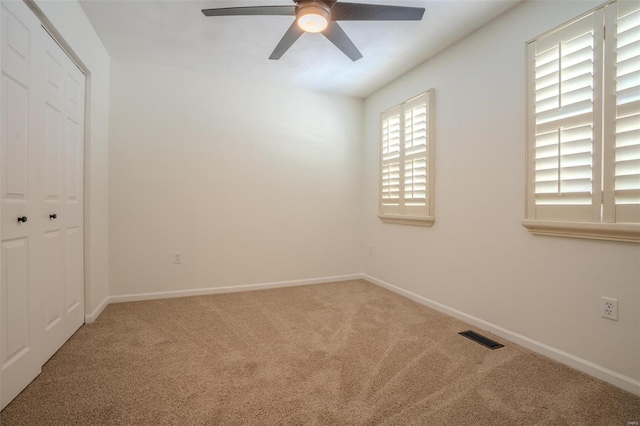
{"x":416,"y":141}
{"x":407,"y":163}
{"x":390,"y":188}
{"x":565,"y":69}
{"x":622,"y":113}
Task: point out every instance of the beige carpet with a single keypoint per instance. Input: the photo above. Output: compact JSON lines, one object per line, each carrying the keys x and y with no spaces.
{"x":343,"y":353}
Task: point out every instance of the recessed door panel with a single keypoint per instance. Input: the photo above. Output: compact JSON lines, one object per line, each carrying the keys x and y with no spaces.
{"x":54,"y":278}
{"x":74,"y":290}
{"x":16,"y":44}
{"x":74,"y":148}
{"x":74,"y":91}
{"x":54,"y":74}
{"x":18,"y":38}
{"x":15,"y":143}
{"x":15,"y":300}
{"x":52,"y":157}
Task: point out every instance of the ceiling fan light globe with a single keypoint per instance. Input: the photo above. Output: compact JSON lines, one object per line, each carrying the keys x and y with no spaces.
{"x":313,"y":19}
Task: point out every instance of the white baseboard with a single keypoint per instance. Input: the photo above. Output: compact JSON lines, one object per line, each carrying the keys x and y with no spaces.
{"x":212,"y":290}
{"x":595,"y":370}
{"x":229,"y":289}
{"x":89,"y":318}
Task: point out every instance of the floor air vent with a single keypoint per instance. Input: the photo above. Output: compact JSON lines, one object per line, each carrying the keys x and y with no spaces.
{"x":479,"y":338}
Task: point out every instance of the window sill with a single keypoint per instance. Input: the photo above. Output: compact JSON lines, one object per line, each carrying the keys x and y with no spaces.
{"x":407,"y":220}
{"x":627,"y":232}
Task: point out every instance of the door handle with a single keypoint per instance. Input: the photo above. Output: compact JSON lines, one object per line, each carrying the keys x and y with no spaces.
{"x":53,"y":216}
{"x":22,"y":219}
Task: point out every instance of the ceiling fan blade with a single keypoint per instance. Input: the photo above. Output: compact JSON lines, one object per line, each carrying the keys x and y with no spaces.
{"x":373,"y":12}
{"x":337,"y":36}
{"x":252,"y":11}
{"x":293,"y":33}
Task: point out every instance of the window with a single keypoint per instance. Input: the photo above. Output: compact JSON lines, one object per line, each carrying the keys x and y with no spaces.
{"x":407,"y":162}
{"x":583,"y":127}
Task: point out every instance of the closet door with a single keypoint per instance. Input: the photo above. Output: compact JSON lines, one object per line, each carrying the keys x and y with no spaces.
{"x":22,"y":246}
{"x":62,"y":197}
{"x":41,"y":175}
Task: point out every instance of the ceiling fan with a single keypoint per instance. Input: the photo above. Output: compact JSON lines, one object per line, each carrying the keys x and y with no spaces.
{"x":320,"y":16}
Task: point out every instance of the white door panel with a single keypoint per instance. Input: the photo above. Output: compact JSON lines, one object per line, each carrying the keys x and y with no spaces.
{"x":64,"y":94}
{"x":22,"y":248}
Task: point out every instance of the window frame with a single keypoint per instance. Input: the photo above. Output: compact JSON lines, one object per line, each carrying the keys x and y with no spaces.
{"x":403,"y":217}
{"x":602,"y":225}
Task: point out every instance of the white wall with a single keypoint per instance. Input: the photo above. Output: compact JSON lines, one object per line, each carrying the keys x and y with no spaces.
{"x":252,"y":183}
{"x":69,"y":20}
{"x":478,"y":258}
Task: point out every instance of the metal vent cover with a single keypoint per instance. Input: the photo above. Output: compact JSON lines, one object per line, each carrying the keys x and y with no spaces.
{"x":479,"y":338}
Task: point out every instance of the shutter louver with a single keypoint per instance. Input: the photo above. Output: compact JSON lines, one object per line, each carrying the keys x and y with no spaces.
{"x":565,"y":152}
{"x":624,"y":124}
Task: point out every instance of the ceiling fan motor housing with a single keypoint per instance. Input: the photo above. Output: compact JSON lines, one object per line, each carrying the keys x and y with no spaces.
{"x":313,"y":16}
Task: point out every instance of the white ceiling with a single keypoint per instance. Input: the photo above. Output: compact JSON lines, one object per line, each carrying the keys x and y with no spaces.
{"x":176,"y":33}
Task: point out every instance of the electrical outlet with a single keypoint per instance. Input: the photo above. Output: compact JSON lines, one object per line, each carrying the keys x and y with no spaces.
{"x":370,"y":250}
{"x":177,"y":257}
{"x":610,"y":308}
